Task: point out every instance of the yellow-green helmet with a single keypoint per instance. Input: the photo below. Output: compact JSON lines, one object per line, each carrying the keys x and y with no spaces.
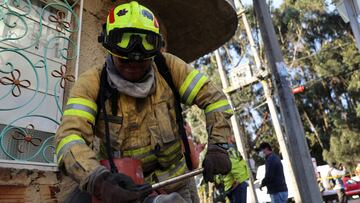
{"x":132,"y":15}
{"x":132,"y":32}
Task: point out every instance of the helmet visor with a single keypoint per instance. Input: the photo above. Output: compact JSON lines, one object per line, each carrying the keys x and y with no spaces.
{"x":130,"y":40}
{"x":125,"y":41}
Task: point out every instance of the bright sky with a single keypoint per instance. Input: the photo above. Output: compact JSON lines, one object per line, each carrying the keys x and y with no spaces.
{"x":276,"y":3}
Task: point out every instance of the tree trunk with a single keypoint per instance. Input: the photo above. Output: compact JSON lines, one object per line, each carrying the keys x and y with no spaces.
{"x":314,"y":129}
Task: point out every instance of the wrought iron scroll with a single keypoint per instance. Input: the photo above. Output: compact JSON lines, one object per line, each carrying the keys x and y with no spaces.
{"x":35,"y":42}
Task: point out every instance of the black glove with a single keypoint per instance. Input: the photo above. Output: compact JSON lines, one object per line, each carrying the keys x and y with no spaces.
{"x":216,"y":162}
{"x":115,"y":188}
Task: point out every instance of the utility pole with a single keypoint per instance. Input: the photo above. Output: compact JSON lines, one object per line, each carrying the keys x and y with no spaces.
{"x":240,"y":142}
{"x":270,"y":102}
{"x":354,"y":19}
{"x":298,"y":150}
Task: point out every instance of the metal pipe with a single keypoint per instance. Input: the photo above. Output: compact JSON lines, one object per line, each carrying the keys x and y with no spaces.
{"x":79,"y":40}
{"x":176,"y":179}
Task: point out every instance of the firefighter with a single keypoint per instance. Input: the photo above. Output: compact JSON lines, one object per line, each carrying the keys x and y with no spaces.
{"x":235,"y":182}
{"x":133,"y":109}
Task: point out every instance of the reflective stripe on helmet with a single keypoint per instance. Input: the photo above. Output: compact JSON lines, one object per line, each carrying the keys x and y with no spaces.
{"x":66,"y":143}
{"x":81,"y":107}
{"x":219,"y":106}
{"x":191,"y":86}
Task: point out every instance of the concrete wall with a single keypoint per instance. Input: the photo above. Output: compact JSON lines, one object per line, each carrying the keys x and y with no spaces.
{"x":38,"y":186}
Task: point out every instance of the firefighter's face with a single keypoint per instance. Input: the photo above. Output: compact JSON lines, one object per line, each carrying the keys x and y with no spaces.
{"x":132,"y":71}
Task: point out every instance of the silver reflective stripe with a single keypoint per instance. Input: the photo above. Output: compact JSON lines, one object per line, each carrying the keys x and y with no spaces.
{"x":67,"y":146}
{"x":221,"y":109}
{"x":191,"y":86}
{"x":82,"y":108}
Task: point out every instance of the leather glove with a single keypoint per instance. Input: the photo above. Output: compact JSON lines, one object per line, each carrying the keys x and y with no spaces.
{"x":216,"y":162}
{"x":115,"y":188}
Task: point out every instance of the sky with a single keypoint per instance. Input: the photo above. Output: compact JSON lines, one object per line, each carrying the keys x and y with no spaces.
{"x":276,"y":3}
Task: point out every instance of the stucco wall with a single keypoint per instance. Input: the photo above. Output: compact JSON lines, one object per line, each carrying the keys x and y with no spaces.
{"x":92,"y":53}
{"x":30,"y":186}
{"x":38,"y":186}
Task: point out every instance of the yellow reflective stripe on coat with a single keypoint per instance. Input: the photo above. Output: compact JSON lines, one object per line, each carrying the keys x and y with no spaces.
{"x":219,"y":106}
{"x":170,"y":154}
{"x":170,"y":150}
{"x":144,"y":154}
{"x":81,"y":107}
{"x":191,"y":86}
{"x":173,"y":171}
{"x":66,"y":143}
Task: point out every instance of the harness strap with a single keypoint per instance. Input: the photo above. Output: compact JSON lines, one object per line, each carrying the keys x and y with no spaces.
{"x":101,"y":98}
{"x":165,"y":73}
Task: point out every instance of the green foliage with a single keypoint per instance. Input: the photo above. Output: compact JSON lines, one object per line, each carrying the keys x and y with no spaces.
{"x":321,"y":54}
{"x":345,"y":146}
{"x":319,"y":44}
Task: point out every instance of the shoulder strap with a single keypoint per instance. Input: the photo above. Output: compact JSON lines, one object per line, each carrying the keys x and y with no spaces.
{"x":165,"y":73}
{"x":100,"y":101}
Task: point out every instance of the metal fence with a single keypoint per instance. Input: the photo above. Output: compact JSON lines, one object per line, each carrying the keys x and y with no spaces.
{"x":36,"y":47}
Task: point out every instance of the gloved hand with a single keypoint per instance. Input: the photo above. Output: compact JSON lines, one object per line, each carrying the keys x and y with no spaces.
{"x":216,"y":162}
{"x":115,"y":188}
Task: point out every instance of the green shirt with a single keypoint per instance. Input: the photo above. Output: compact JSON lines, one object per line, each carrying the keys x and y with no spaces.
{"x":239,"y":171}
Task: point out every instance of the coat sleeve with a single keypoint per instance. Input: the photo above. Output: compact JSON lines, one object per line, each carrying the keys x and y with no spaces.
{"x":75,"y":132}
{"x":195,"y":88}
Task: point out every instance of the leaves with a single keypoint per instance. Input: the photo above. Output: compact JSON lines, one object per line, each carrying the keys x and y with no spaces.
{"x":321,"y":55}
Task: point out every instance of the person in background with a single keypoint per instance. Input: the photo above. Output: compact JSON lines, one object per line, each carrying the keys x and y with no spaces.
{"x":357,"y":172}
{"x":338,"y":174}
{"x":320,"y":184}
{"x":274,"y":175}
{"x":235,"y":182}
